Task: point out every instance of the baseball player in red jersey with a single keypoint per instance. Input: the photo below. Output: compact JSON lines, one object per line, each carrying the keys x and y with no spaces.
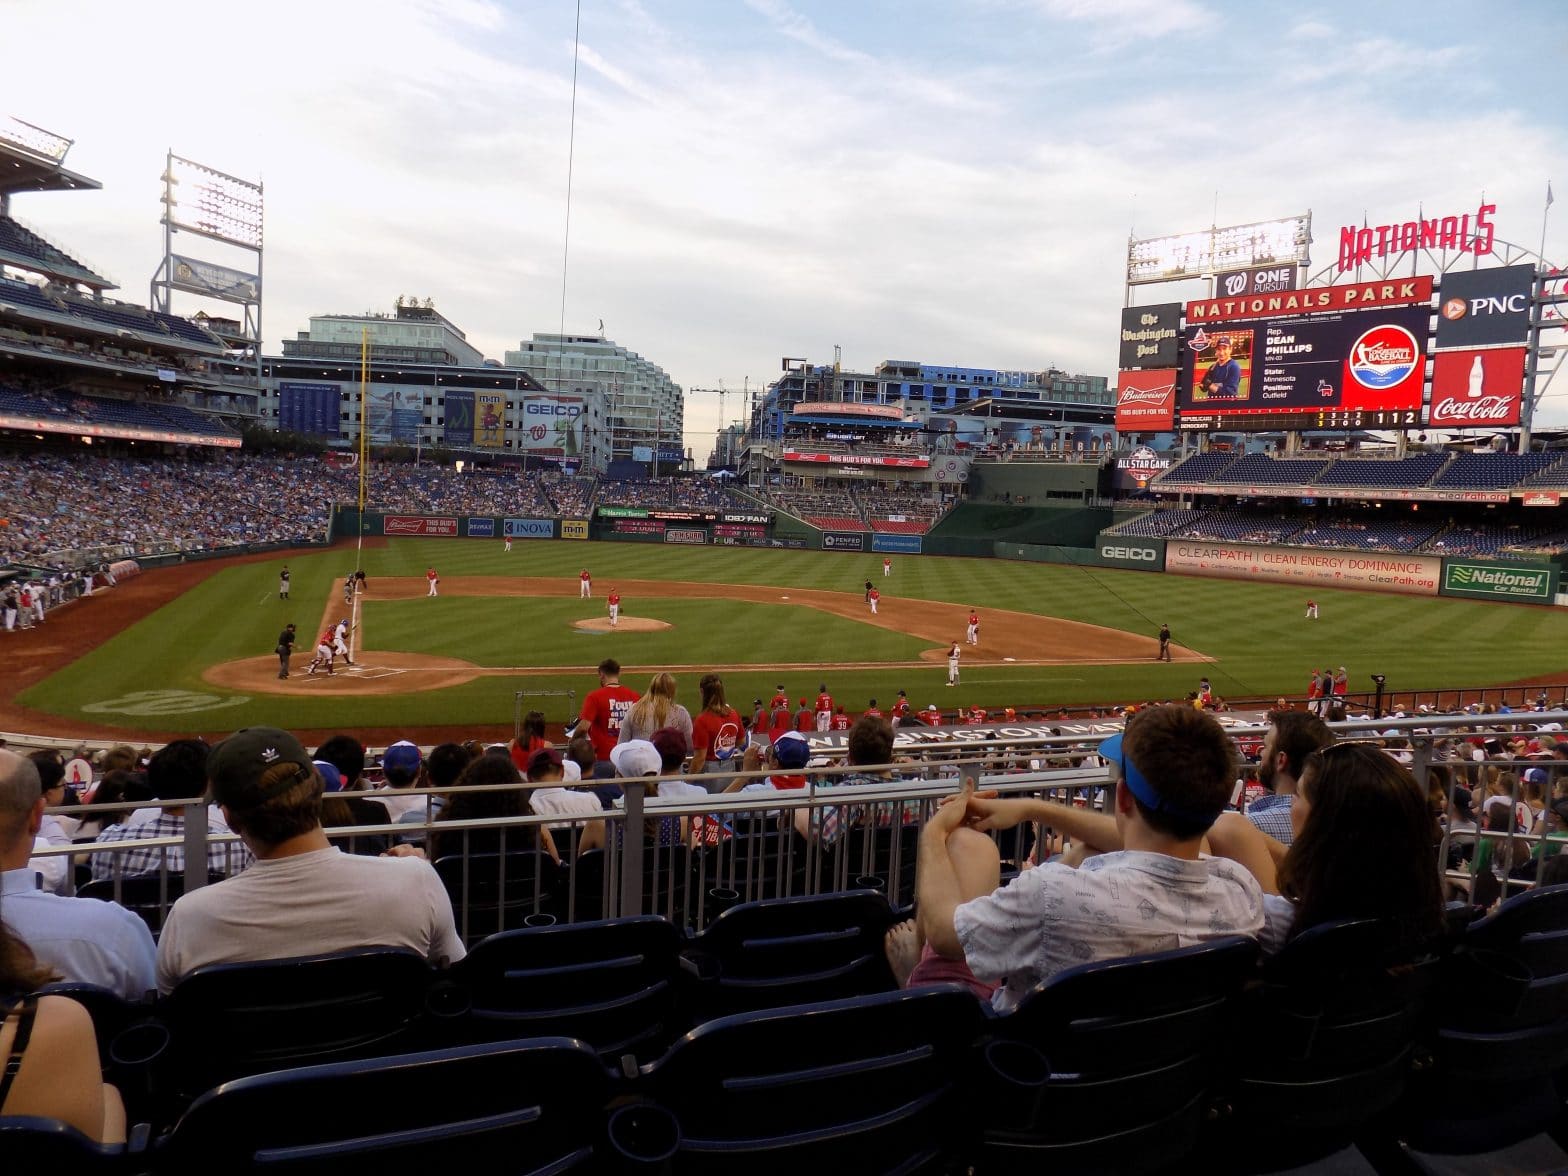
{"x":805,"y":720}
{"x":432,"y":579}
{"x":900,"y":709}
{"x":824,"y":707}
{"x":973,"y":634}
{"x":840,"y":721}
{"x":508,"y":546}
{"x":872,"y":597}
{"x":887,"y":567}
{"x":779,"y":699}
{"x":931,"y":716}
{"x":323,"y":653}
{"x":614,"y":601}
{"x":584,"y":584}
{"x":871,"y":711}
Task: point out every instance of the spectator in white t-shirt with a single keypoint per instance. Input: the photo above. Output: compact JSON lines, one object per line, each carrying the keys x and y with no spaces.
{"x":303,"y":896}
{"x":552,"y":798}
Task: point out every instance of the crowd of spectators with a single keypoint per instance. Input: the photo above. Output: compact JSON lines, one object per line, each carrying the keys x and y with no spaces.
{"x":443,"y":490}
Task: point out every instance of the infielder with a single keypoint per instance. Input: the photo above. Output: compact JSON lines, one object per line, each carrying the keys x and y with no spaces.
{"x":973,"y":634}
{"x":952,"y":665}
{"x":584,"y":584}
{"x":340,"y":641}
{"x":871,"y":598}
{"x":432,"y":579}
{"x":887,"y":567}
{"x":614,"y":600}
{"x":323,"y":654}
{"x":283,"y":583}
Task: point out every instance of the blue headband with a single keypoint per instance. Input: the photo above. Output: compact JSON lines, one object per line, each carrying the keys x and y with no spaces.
{"x":1111,"y":751}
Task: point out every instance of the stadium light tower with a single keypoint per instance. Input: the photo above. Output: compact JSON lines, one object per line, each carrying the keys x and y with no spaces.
{"x":205,"y":202}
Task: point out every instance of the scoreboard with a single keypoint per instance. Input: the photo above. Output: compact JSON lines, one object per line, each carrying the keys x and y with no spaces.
{"x":1328,"y":419}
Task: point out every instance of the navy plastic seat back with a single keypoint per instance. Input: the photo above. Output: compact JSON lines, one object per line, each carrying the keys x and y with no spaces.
{"x":792,"y":951}
{"x":1323,"y":1046}
{"x":522,"y":1107}
{"x":110,"y":1012}
{"x":1501,"y":1028}
{"x":868,"y":1084}
{"x":1107,"y":1066}
{"x":231,"y":1020}
{"x":32,"y":1144}
{"x":493,"y":892}
{"x":612,"y":984}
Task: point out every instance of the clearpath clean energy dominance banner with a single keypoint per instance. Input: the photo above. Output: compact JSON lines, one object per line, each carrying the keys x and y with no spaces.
{"x":1417,"y":575}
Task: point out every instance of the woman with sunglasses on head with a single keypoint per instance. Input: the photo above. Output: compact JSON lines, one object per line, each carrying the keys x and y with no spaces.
{"x":1364,"y":848}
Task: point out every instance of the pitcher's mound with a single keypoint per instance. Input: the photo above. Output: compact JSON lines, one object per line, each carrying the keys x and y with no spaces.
{"x":626,"y":625}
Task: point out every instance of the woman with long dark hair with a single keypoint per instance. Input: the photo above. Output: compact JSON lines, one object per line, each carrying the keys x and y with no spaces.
{"x":1364,"y":848}
{"x":496,"y":769}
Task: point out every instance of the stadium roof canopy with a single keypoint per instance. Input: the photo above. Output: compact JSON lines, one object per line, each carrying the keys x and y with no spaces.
{"x":33,"y":160}
{"x":1026,"y":410}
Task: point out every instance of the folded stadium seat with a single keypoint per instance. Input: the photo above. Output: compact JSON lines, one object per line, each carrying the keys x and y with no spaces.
{"x":758,"y":861}
{"x":493,"y":892}
{"x":783,"y":951}
{"x":1322,"y":1050}
{"x":31,"y":1144}
{"x":522,"y":1107}
{"x":874,"y":858}
{"x":1108,"y":1066}
{"x":1494,"y":1087}
{"x":867,"y":1084}
{"x":110,"y":1013}
{"x":613,"y":984}
{"x":148,"y":896}
{"x":590,"y":889}
{"x":231,"y":1020}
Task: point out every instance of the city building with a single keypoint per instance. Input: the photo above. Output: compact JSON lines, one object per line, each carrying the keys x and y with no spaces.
{"x":638,"y":410}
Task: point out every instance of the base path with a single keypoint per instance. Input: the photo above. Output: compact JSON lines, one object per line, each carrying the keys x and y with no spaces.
{"x":1007,"y":637}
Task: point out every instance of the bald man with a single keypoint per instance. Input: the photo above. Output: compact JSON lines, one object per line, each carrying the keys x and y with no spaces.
{"x":80,"y":938}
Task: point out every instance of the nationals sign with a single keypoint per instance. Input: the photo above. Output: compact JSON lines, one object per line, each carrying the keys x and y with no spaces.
{"x":1320,"y":300}
{"x":1146,"y":401}
{"x":1468,"y":233}
{"x":1477,"y":388}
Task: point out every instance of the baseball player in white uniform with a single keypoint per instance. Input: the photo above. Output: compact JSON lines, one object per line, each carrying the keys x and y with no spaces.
{"x":952,"y":665}
{"x":340,"y":641}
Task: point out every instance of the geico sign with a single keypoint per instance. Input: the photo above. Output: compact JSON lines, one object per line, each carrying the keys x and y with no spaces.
{"x":532,"y":408}
{"x":1136,"y":554}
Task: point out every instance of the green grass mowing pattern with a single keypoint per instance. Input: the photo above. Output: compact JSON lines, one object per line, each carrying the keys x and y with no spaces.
{"x":502,"y":631}
{"x":1256,"y":631}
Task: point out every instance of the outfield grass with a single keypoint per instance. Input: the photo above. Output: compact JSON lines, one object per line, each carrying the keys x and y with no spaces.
{"x":1262,"y":644}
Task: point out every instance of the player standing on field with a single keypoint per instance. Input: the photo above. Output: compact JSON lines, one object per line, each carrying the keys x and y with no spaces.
{"x":1312,"y":610}
{"x":824,"y":711}
{"x":972,"y":635}
{"x":283,"y":583}
{"x":584,"y":584}
{"x":952,"y":664}
{"x":432,"y":579}
{"x":614,"y":602}
{"x":887,"y":566}
{"x":871,"y":598}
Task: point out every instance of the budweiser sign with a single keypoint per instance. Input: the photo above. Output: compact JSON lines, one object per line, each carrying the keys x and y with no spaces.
{"x":1146,"y":401}
{"x":1469,"y":233}
{"x":1477,"y":388}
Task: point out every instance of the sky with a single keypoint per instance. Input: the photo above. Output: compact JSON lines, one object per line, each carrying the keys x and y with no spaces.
{"x":948,"y":181}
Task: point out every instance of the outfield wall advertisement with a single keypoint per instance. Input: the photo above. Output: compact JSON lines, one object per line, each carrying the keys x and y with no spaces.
{"x":425,"y":525}
{"x":1417,"y":575}
{"x":574,"y":528}
{"x":901,"y":544}
{"x":843,"y":540}
{"x":529,"y":528}
{"x":1499,"y":581}
{"x":1130,"y":551}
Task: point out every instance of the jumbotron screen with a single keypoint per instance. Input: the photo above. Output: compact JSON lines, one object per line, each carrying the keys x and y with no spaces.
{"x":1337,"y":357}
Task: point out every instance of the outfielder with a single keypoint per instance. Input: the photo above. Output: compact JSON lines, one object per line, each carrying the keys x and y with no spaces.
{"x":615,"y":606}
{"x":1312,"y":610}
{"x":887,"y":566}
{"x":508,"y":546}
{"x":584,"y":584}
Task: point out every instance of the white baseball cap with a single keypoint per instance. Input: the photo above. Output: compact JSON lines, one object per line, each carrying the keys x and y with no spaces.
{"x":636,"y":757}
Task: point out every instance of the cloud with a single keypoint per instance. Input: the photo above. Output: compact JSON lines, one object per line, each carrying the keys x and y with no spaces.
{"x":1120,"y":21}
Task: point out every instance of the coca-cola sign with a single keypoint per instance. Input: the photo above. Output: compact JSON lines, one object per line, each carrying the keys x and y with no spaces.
{"x":1477,"y":389}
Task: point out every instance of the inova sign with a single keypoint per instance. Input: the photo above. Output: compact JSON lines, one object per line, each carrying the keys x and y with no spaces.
{"x":1493,"y":582}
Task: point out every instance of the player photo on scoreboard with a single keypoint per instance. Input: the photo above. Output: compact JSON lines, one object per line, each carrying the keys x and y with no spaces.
{"x":1221,"y":364}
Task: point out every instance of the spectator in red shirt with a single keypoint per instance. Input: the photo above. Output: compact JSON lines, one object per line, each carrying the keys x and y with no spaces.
{"x":805,"y":720}
{"x":531,"y":740}
{"x":718,"y":733}
{"x":603,"y":710}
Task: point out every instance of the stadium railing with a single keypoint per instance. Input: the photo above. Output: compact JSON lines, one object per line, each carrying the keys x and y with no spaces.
{"x":699,"y":855}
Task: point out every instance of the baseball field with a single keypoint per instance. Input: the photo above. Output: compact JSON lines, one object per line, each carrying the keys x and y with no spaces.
{"x":189,"y":648}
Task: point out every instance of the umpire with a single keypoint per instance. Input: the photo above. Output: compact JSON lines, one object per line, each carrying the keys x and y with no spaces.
{"x":285,"y":650}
